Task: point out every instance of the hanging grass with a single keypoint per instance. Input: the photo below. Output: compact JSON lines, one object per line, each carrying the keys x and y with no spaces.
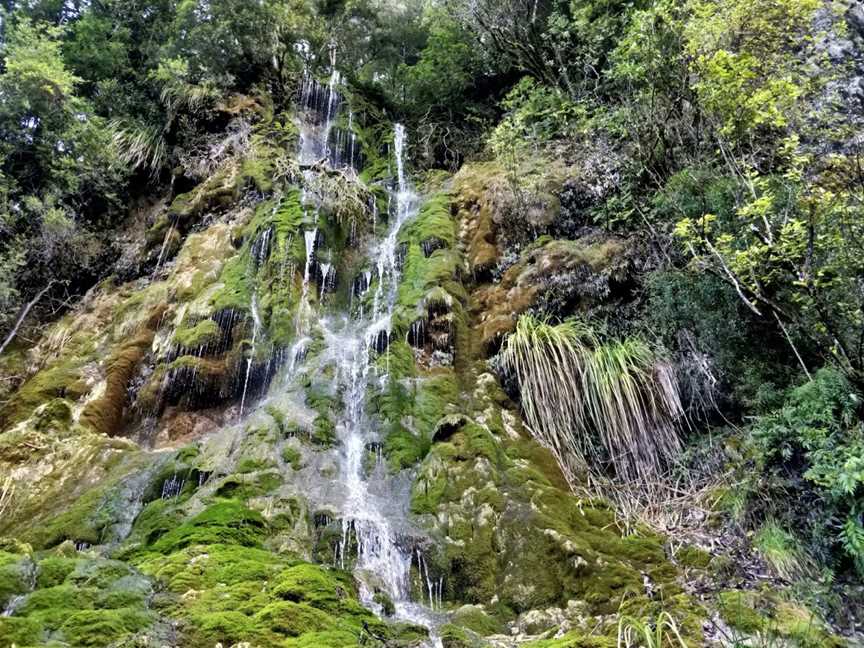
{"x":605,"y":409}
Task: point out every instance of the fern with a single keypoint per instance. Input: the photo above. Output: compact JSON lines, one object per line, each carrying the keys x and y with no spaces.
{"x":852,"y":538}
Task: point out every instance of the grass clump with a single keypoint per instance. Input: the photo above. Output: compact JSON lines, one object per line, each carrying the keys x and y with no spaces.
{"x":780,"y":549}
{"x":603,"y":408}
{"x":663,"y":631}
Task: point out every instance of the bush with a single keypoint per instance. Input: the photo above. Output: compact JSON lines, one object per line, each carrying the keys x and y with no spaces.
{"x":811,"y":453}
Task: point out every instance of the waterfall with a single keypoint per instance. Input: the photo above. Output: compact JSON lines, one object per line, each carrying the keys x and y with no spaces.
{"x":375,"y":530}
{"x":172,"y":487}
{"x":304,"y":309}
{"x":384,"y":555}
{"x":326,"y":268}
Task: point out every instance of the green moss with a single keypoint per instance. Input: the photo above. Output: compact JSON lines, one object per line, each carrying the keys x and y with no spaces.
{"x":103,"y":627}
{"x":155,"y":520}
{"x":474,"y":618}
{"x":242,"y":487}
{"x":574,"y":640}
{"x":738,"y":609}
{"x":324,"y":431}
{"x":453,"y":636}
{"x":220,"y":189}
{"x":765,"y":613}
{"x":234,"y":292}
{"x":294,"y":619}
{"x":18,"y":631}
{"x":316,"y":586}
{"x":206,"y":332}
{"x":435,"y":396}
{"x":204,"y":567}
{"x":433,"y":222}
{"x":53,"y":570}
{"x":326,"y":639}
{"x":292,"y":457}
{"x":226,"y":522}
{"x":693,"y":557}
{"x":15,"y":573}
{"x":386,"y":603}
{"x":63,"y":380}
{"x":100,"y":573}
{"x":253,"y":464}
{"x":105,"y":414}
{"x":404,"y":449}
{"x":52,"y":605}
{"x":203,"y":629}
{"x":94,"y":515}
{"x":56,"y":414}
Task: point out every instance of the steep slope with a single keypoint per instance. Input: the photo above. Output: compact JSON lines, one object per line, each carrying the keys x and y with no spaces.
{"x":285,"y":431}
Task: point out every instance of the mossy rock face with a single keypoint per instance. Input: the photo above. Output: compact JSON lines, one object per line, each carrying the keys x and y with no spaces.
{"x":78,"y":601}
{"x":555,"y":276}
{"x":752,"y":613}
{"x":223,"y":523}
{"x":513,"y":535}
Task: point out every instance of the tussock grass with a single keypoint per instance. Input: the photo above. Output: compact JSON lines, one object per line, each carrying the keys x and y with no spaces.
{"x":605,"y":409}
{"x":661,"y":633}
{"x":140,"y":146}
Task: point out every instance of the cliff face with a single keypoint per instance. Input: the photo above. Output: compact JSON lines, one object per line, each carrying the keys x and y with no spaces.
{"x":277,"y":424}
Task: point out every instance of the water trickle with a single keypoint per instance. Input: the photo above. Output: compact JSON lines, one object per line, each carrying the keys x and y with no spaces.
{"x":326,"y":269}
{"x":261,"y":247}
{"x":256,"y":328}
{"x":163,"y":250}
{"x":172,"y":487}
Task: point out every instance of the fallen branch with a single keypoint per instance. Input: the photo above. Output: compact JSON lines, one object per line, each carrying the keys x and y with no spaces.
{"x":23,"y":315}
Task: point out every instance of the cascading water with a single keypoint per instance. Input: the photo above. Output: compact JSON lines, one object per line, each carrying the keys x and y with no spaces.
{"x":383,"y":556}
{"x":378,"y":541}
{"x":376,"y":535}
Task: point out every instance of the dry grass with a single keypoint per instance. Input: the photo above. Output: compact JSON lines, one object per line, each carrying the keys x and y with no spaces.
{"x":7,"y":491}
{"x":605,"y":409}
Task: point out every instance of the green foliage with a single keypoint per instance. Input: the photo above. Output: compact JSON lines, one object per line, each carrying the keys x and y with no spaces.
{"x":446,"y":67}
{"x":748,"y":80}
{"x":812,"y":449}
{"x":535,"y":115}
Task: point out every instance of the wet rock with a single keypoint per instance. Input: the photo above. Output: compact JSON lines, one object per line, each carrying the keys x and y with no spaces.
{"x":180,"y":427}
{"x":574,"y":274}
